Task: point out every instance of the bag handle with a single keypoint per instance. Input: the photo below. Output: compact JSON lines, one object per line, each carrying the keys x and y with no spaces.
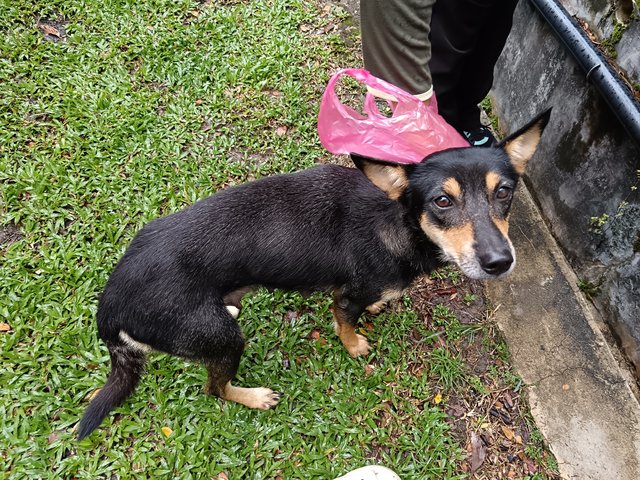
{"x":404,"y":99}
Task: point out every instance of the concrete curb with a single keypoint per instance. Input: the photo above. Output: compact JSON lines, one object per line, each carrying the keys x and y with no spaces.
{"x":580,"y":398}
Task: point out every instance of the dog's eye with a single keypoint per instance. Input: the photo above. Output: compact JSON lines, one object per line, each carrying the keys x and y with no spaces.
{"x":503,"y":193}
{"x":443,"y":202}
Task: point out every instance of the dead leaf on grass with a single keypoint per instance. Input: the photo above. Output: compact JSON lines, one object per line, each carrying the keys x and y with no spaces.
{"x":507,"y":432}
{"x":91,"y":395}
{"x":315,"y":335}
{"x":5,"y":327}
{"x":478,"y":451}
{"x":49,"y":30}
{"x":222,"y":476}
{"x":281,"y":130}
{"x":508,"y":400}
{"x":272,"y":93}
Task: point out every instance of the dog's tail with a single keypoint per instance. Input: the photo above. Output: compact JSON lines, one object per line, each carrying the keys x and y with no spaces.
{"x":127,"y":366}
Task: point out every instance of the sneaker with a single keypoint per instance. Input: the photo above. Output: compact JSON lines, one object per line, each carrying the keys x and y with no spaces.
{"x":479,"y":137}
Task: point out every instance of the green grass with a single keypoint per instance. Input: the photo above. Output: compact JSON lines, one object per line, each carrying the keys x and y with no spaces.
{"x":147,"y":106}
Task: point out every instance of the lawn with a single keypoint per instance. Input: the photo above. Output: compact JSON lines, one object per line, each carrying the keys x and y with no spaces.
{"x":114,"y":113}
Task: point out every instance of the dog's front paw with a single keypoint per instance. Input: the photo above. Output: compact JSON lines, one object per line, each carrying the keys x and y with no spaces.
{"x":358,"y":346}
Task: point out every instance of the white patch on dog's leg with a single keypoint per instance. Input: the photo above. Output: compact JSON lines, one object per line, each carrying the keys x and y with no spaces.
{"x":143,"y":347}
{"x":234,"y":311}
{"x":261,"y":398}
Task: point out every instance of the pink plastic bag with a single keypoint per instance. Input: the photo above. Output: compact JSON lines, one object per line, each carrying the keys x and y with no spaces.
{"x":410,"y":134}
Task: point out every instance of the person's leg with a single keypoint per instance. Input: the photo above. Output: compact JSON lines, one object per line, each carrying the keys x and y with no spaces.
{"x":467,"y":37}
{"x":395,"y":42}
{"x":477,"y":74}
{"x":455,"y":27}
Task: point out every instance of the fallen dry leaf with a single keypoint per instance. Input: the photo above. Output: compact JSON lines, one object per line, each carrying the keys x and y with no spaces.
{"x":4,"y":327}
{"x":507,"y":432}
{"x":272,"y":93}
{"x":368,"y":369}
{"x":565,"y":387}
{"x":508,"y":400}
{"x":478,"y":451}
{"x":222,"y":476}
{"x":281,"y":130}
{"x":315,"y":334}
{"x":49,"y":30}
{"x":91,"y":395}
{"x":531,"y":466}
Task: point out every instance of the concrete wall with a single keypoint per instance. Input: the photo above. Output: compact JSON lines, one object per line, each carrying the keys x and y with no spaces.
{"x":587,"y":167}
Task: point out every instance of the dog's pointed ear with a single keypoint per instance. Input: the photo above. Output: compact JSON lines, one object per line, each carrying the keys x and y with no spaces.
{"x":521,"y":145}
{"x":389,"y":177}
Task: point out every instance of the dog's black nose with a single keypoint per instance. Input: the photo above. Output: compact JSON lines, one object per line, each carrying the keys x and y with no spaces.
{"x":496,"y":262}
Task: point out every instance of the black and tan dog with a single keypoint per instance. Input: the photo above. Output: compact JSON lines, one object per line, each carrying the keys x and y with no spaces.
{"x":363,"y":234}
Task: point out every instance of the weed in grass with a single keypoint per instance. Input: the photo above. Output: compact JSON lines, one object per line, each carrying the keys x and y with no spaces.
{"x":447,"y":367}
{"x":447,"y":272}
{"x":469,"y":298}
{"x":477,"y":385}
{"x":454,"y":330}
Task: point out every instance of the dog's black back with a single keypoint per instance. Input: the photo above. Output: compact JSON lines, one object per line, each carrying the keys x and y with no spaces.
{"x":318,"y":229}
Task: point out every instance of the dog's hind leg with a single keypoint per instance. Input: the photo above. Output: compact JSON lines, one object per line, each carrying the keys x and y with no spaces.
{"x":219,"y":384}
{"x":213,"y":336}
{"x":346,"y":312}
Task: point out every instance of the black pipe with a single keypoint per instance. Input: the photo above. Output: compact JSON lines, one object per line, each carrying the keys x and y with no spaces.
{"x":599,"y":72}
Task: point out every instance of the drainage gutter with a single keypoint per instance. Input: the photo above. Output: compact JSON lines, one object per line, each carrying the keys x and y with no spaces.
{"x":599,"y":72}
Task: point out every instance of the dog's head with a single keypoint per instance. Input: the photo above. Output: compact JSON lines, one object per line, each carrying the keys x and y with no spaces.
{"x":461,"y":197}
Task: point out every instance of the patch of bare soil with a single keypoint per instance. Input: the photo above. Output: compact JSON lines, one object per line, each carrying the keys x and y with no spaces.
{"x":9,"y":234}
{"x":487,"y":412}
{"x":53,"y":29}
